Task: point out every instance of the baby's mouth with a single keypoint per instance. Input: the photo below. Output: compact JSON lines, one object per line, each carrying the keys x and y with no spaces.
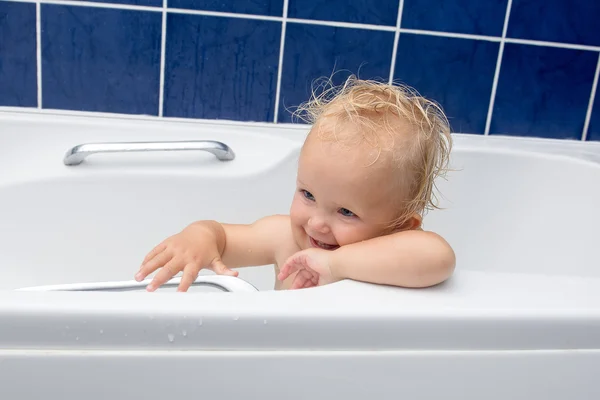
{"x":322,"y":245}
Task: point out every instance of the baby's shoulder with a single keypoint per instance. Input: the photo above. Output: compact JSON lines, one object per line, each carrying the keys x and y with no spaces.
{"x":276,"y":222}
{"x":277,"y":226}
{"x":281,"y":227}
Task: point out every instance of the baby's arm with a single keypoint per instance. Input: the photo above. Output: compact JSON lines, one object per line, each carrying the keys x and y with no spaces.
{"x":215,"y":246}
{"x":411,"y":258}
{"x":254,"y":244}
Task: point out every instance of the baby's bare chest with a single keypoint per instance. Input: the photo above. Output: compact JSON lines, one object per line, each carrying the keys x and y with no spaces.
{"x":290,"y":249}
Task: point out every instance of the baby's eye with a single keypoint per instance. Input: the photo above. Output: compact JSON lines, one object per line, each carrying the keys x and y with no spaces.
{"x":346,"y":213}
{"x":308,"y":195}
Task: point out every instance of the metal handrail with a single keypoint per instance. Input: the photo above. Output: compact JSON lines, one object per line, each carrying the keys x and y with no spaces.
{"x":223,"y":282}
{"x":77,"y":154}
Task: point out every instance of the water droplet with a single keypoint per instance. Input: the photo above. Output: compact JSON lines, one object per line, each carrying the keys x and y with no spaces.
{"x":265,"y":322}
{"x":101,"y":331}
{"x":77,"y":338}
{"x":171,"y":337}
{"x":200,"y":322}
{"x":184,"y":333}
{"x":236,"y":318}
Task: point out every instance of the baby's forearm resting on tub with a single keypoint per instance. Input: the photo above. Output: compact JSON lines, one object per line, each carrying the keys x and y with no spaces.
{"x":408,"y":259}
{"x":252,"y":244}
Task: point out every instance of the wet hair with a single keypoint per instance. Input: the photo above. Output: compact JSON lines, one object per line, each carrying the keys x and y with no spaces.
{"x":412,"y":131}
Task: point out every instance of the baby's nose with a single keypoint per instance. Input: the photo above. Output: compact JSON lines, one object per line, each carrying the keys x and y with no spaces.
{"x":318,"y":224}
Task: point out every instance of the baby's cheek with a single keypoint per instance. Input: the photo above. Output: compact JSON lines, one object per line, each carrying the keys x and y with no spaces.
{"x":356,"y":233}
{"x":348,"y":234}
{"x":295,"y":212}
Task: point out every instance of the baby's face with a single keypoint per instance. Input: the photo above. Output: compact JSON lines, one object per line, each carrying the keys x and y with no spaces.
{"x":340,"y":199}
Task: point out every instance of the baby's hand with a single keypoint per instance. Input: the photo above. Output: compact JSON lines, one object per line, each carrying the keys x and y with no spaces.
{"x":313,"y":266}
{"x":190,"y":250}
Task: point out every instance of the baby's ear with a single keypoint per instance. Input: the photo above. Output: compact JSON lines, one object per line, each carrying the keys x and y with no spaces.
{"x":414,"y":222}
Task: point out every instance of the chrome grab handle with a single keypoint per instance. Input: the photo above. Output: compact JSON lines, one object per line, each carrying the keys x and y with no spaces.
{"x":77,"y":154}
{"x":224,"y":282}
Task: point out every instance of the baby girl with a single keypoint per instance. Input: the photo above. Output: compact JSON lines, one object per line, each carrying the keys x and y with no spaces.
{"x":366,"y":175}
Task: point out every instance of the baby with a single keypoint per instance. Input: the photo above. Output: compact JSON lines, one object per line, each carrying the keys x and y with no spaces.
{"x":365,"y":178}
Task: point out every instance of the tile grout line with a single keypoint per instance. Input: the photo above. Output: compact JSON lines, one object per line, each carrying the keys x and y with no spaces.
{"x":451,"y":35}
{"x":552,"y":44}
{"x":225,"y":14}
{"x":339,"y":24}
{"x":315,"y":22}
{"x":488,"y":120}
{"x":38,"y":51}
{"x":588,"y":115}
{"x":163,"y":45}
{"x":280,"y":66}
{"x":396,"y":38}
{"x":90,"y":4}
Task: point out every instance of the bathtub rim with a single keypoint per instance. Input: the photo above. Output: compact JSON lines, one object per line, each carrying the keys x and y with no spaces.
{"x":563,"y":313}
{"x":287,"y":138}
{"x":297,"y":131}
{"x":579,"y":310}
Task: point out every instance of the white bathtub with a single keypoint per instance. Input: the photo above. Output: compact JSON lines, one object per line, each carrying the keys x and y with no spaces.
{"x":520,"y":319}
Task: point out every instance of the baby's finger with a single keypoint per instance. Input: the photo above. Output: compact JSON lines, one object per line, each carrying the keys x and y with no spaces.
{"x":158,"y":261}
{"x":221,"y":269}
{"x":300,"y":280}
{"x":189,"y":276}
{"x":284,"y":274}
{"x":156,"y":250}
{"x":287,"y":269}
{"x":167,"y":272}
{"x":310,"y":279}
{"x":309,"y":283}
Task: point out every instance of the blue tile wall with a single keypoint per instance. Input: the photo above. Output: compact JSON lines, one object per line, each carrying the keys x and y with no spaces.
{"x":99,"y":59}
{"x":259,"y":7}
{"x":594,"y":128}
{"x":459,"y":16}
{"x":155,"y":3}
{"x":18,"y":85}
{"x":457,"y":73}
{"x":223,"y":60}
{"x":380,"y":12}
{"x":565,"y":21}
{"x":543,"y":91}
{"x":221,"y":68}
{"x":314,"y":51}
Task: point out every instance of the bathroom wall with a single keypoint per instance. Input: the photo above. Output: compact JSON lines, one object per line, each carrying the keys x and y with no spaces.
{"x":520,"y":67}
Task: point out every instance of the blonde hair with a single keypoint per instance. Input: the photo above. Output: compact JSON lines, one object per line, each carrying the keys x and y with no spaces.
{"x":422,"y":151}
